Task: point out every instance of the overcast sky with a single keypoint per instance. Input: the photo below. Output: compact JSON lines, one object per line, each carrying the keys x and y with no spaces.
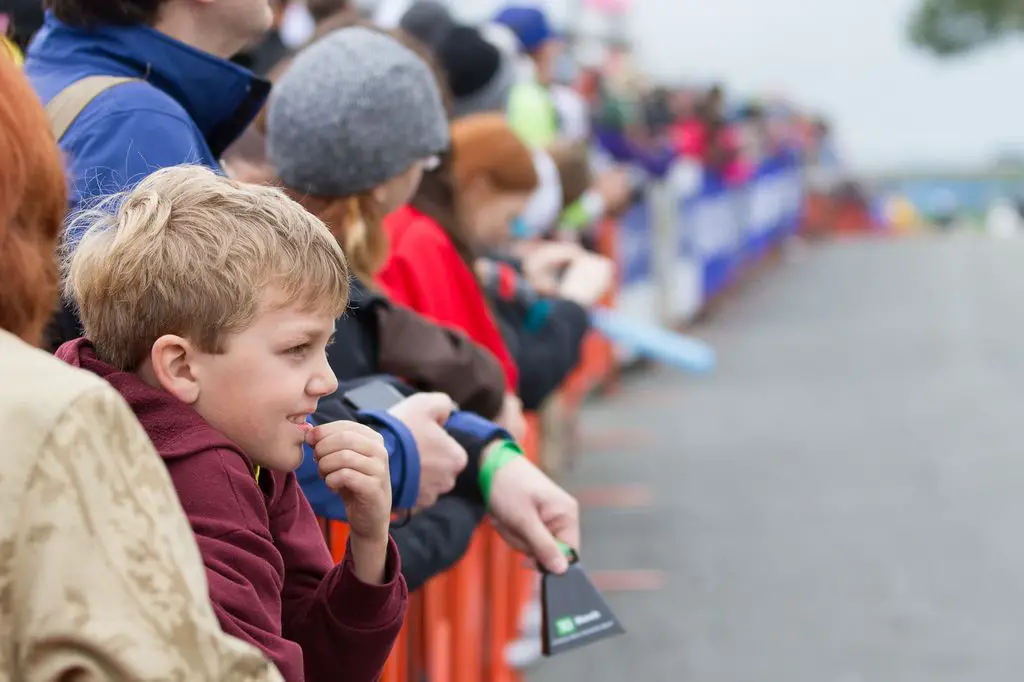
{"x":892,"y":105}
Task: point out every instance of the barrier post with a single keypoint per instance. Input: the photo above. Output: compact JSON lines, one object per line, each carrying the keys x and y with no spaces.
{"x":661,"y":202}
{"x":468,"y":604}
{"x":437,"y":629}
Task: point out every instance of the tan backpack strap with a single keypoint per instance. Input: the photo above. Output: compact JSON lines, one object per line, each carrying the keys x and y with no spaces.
{"x":66,"y":106}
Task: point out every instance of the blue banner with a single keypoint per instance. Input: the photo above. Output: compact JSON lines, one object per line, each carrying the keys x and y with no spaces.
{"x":719,"y":229}
{"x":725,"y":227}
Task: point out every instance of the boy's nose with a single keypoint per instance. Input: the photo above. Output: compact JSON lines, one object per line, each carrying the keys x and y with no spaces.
{"x":325,"y":383}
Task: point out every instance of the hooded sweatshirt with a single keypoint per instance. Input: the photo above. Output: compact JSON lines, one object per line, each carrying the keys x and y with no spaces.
{"x":271,"y":578}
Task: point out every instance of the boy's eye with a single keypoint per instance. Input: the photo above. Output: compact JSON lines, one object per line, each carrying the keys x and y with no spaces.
{"x":298,"y":350}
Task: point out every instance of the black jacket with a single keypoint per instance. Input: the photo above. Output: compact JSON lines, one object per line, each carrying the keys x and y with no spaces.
{"x":64,"y":326}
{"x":544,"y":335}
{"x":434,"y":539}
{"x":376,"y":336}
{"x":547,"y":351}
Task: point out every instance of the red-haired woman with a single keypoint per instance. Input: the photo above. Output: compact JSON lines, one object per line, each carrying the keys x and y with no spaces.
{"x":430,"y":266}
{"x":100,"y":573}
{"x":473,"y":208}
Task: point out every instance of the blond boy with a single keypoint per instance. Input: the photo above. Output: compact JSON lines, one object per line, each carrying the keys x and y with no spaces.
{"x":208,"y":305}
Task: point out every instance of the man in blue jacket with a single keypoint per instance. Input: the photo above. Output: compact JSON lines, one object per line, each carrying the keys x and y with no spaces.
{"x":141,"y":85}
{"x":182,"y":102}
{"x":185,"y":103}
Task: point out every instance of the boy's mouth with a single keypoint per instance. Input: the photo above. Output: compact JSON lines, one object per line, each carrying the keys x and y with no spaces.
{"x":300,"y":421}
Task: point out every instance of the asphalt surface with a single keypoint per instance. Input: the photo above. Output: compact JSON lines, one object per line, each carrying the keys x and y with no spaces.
{"x":843,"y":500}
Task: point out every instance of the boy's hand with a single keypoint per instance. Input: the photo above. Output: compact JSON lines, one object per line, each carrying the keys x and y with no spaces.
{"x":353,"y":462}
{"x":531,"y":512}
{"x":442,"y":459}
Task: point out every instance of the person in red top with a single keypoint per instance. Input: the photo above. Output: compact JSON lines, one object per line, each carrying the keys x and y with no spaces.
{"x":431,"y":266}
{"x":226,"y":300}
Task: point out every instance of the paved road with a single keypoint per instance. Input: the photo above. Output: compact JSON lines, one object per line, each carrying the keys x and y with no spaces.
{"x":844,"y":500}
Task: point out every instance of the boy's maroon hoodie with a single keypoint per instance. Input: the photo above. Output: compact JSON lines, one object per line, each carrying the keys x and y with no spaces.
{"x":272,"y":582}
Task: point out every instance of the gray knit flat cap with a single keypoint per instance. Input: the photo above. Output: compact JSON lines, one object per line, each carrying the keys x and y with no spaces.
{"x":354,"y":110}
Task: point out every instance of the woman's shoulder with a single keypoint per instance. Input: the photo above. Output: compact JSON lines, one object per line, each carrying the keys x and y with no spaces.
{"x":64,"y":429}
{"x":37,"y":390}
{"x":103,"y":549}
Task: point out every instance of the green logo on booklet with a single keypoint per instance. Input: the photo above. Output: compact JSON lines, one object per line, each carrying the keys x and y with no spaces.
{"x":565,"y":626}
{"x":574,"y":612}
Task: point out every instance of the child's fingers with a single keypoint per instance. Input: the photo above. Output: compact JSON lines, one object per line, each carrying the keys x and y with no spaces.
{"x":334,"y":429}
{"x":369,"y":446}
{"x":355,"y":483}
{"x":349,"y":460}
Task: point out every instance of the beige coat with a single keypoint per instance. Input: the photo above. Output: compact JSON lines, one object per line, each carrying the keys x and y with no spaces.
{"x":100,"y":577}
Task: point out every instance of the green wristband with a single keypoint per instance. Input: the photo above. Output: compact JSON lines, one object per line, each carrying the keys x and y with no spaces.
{"x":575,"y":217}
{"x":585,"y":212}
{"x":507,"y":452}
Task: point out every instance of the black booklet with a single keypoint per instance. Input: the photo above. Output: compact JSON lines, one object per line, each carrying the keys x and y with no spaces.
{"x":574,"y":612}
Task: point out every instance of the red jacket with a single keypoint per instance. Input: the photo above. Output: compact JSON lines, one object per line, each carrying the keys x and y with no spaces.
{"x":426,"y":273}
{"x":271,"y":578}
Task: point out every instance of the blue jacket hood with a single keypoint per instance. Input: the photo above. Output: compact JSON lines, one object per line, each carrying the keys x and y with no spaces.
{"x":187,"y":106}
{"x":219,"y":96}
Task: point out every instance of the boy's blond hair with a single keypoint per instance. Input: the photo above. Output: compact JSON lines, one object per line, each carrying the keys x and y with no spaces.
{"x":192,"y":253}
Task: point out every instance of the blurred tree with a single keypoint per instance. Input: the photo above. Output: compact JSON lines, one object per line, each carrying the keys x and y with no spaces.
{"x":953,"y":27}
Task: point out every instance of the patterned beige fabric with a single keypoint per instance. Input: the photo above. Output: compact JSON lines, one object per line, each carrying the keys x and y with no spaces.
{"x":100,"y":577}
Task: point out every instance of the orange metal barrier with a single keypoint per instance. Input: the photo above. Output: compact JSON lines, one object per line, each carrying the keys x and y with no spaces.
{"x":826,"y":216}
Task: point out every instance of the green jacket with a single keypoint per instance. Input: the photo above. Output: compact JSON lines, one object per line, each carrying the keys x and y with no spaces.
{"x":532,"y":115}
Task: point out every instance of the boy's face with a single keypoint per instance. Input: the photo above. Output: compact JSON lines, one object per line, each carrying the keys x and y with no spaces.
{"x":260,"y":390}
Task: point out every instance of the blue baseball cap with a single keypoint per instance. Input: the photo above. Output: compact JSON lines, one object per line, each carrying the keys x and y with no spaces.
{"x":529,"y":23}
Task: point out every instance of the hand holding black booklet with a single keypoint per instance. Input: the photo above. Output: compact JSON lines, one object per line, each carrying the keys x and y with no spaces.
{"x":574,"y":612}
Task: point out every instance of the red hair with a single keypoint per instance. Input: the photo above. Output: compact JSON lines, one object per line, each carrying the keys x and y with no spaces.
{"x":484,"y":145}
{"x":33,"y":199}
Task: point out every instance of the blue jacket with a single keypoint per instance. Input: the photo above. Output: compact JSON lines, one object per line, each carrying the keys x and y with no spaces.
{"x":403,"y":455}
{"x":190,"y":108}
{"x":470,"y":430}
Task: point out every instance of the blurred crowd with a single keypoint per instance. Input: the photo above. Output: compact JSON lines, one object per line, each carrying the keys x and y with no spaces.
{"x":729,"y":139}
{"x":273,"y":265}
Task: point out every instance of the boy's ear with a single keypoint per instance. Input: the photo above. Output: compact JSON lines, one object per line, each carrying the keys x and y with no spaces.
{"x":171,"y":358}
